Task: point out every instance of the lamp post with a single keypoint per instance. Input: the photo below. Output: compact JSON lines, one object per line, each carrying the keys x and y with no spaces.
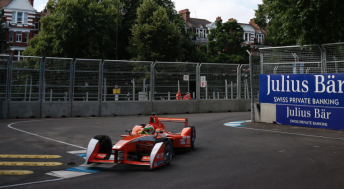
{"x":123,"y":11}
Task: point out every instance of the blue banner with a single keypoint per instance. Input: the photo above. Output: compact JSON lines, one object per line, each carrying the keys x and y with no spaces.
{"x":302,"y":89}
{"x":310,"y":116}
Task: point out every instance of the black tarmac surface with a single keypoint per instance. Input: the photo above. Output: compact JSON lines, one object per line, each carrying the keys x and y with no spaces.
{"x":253,"y":156}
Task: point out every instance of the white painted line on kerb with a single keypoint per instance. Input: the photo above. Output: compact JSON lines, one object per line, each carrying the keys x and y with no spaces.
{"x":315,"y":136}
{"x":30,"y":183}
{"x":10,"y":126}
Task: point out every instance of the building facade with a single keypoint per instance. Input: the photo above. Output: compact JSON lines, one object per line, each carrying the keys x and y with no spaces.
{"x":23,"y":23}
{"x":253,"y":34}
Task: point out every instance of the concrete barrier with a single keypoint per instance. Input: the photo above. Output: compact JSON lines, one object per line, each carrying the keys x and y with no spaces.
{"x":56,"y":109}
{"x":24,"y":110}
{"x":257,"y":112}
{"x":206,"y":106}
{"x":176,"y":106}
{"x":125,"y":108}
{"x":85,"y":109}
{"x":267,"y":113}
{"x":96,"y":109}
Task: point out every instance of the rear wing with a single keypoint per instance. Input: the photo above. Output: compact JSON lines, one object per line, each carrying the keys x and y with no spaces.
{"x":178,"y":120}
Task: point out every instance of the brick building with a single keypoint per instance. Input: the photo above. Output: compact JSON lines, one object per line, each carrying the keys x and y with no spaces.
{"x":22,"y":21}
{"x":253,"y":34}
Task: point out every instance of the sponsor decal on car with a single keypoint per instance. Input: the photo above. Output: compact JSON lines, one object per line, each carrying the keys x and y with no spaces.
{"x":160,"y":156}
{"x":159,"y":163}
{"x":101,"y":155}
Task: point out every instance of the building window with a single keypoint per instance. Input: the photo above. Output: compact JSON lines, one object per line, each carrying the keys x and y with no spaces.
{"x":25,"y":18}
{"x":19,"y":36}
{"x":26,"y":37}
{"x":36,"y":24}
{"x":11,"y":36}
{"x":13,"y":16}
{"x":246,"y":37}
{"x":19,"y":17}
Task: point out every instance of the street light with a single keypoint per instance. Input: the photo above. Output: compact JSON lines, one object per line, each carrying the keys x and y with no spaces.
{"x":123,"y":11}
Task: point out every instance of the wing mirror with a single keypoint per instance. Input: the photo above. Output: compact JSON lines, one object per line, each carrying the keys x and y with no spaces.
{"x":129,"y":131}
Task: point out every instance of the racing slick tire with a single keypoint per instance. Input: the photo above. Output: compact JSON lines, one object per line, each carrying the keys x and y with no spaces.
{"x":168,"y":151}
{"x":193,"y":136}
{"x":105,"y":145}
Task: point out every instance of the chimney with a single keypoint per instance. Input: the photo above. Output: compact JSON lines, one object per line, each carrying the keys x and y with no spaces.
{"x":252,"y":23}
{"x":31,"y":2}
{"x":231,"y":19}
{"x":218,"y":18}
{"x":185,"y":14}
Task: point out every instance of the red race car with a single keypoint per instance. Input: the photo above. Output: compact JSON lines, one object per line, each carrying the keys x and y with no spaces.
{"x":146,"y":144}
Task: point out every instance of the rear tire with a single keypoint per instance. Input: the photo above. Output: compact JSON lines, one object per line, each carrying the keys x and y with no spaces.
{"x":105,"y":145}
{"x":193,"y":136}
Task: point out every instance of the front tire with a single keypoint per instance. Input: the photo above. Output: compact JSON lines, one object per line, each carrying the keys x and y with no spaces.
{"x":105,"y":145}
{"x":168,"y":152}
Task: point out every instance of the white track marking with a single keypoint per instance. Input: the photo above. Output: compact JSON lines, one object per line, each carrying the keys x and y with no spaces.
{"x":10,"y":126}
{"x":31,"y":183}
{"x":77,"y":152}
{"x":315,"y":136}
{"x":67,"y":174}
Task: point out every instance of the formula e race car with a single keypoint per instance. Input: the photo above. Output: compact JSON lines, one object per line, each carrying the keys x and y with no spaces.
{"x":139,"y":147}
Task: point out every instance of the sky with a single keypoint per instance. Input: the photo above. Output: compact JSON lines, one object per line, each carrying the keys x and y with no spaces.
{"x":241,"y":10}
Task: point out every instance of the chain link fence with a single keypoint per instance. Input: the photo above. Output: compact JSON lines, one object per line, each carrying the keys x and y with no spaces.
{"x":222,"y":81}
{"x":87,"y":80}
{"x":57,"y":79}
{"x":25,"y":78}
{"x":334,"y":62}
{"x":4,"y":64}
{"x":126,"y":80}
{"x":169,"y":77}
{"x":291,"y":59}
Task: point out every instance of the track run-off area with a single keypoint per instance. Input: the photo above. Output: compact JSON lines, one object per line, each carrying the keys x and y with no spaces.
{"x":230,"y":152}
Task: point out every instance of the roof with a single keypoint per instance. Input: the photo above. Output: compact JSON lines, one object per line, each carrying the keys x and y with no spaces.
{"x":196,"y":22}
{"x":256,"y":29}
{"x":4,"y":3}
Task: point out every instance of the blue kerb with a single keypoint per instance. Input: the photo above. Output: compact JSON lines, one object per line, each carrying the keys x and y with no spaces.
{"x":81,"y":155}
{"x":235,"y":123}
{"x":86,"y":169}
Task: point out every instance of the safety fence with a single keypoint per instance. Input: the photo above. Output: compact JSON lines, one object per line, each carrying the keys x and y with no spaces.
{"x":307,"y":59}
{"x":52,"y":79}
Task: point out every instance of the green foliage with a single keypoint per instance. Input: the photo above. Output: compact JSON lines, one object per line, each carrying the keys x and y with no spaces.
{"x":154,"y":36}
{"x":3,"y":31}
{"x":225,"y":43}
{"x":77,"y":28}
{"x":302,"y":21}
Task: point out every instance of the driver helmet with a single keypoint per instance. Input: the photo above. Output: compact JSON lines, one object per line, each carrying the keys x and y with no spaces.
{"x":149,"y":129}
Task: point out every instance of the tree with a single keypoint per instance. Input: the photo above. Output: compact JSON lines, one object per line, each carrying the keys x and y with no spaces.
{"x":225,"y":43}
{"x":154,"y":36}
{"x":3,"y":32}
{"x":302,"y":21}
{"x":78,"y":29}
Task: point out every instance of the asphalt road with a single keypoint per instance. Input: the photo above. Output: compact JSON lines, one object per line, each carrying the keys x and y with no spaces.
{"x":250,"y":156}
